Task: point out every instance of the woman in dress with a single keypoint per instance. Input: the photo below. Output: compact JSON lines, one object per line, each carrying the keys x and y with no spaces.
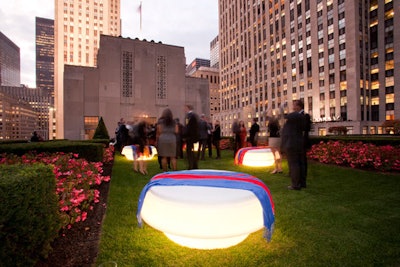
{"x":167,"y":129}
{"x":274,"y":141}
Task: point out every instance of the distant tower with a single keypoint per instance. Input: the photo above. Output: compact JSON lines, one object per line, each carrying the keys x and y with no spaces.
{"x":77,"y":30}
{"x":196,"y":64}
{"x":45,"y":56}
{"x":10,"y":62}
{"x":214,"y":53}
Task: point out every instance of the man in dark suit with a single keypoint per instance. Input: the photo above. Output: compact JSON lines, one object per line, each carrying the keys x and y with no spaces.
{"x":191,"y":134}
{"x":254,"y":129}
{"x":236,"y":135}
{"x":307,"y":145}
{"x":293,"y":144}
{"x":203,"y":131}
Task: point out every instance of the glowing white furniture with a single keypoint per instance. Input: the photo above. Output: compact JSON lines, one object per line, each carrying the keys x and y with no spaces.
{"x":128,"y":153}
{"x":255,"y":157}
{"x":207,"y":215}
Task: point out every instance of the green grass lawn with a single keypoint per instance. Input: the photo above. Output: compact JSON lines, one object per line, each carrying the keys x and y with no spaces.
{"x":345,"y":217}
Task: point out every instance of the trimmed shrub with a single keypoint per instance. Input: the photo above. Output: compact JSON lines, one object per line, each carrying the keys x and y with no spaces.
{"x":101,"y":131}
{"x":88,"y":150}
{"x":29,"y":217}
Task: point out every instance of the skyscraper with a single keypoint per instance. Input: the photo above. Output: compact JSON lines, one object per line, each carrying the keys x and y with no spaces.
{"x":214,"y":53}
{"x":45,"y":56}
{"x":78,"y":26}
{"x":337,"y":56}
{"x":10,"y":63}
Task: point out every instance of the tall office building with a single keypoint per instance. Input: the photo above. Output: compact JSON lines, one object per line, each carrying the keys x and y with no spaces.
{"x":25,"y":98}
{"x":10,"y":63}
{"x":78,"y":25}
{"x":18,"y":118}
{"x":212,"y":76}
{"x":337,"y":56}
{"x":45,"y":56}
{"x":214,"y":53}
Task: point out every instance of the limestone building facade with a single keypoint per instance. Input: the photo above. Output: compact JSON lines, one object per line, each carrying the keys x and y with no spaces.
{"x":135,"y":80}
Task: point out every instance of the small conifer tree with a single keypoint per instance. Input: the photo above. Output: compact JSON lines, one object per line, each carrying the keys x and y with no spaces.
{"x":101,"y":131}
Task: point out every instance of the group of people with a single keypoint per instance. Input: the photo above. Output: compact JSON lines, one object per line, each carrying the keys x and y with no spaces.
{"x":240,"y":134}
{"x":137,"y":136}
{"x":287,"y":135}
{"x":36,"y":137}
{"x":198,"y":130}
{"x":169,"y":136}
{"x":172,"y":135}
{"x":292,"y":140}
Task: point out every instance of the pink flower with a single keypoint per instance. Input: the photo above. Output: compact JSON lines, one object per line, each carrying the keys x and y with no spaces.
{"x":74,"y":180}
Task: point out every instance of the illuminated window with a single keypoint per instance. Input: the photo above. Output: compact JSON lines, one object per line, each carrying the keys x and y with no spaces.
{"x":90,"y":126}
{"x":389,"y":115}
{"x":389,"y":81}
{"x":390,"y":98}
{"x":343,"y":101}
{"x":375,"y":101}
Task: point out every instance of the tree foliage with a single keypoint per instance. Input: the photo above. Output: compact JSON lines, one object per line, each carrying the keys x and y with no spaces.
{"x":392,"y":125}
{"x":101,"y":131}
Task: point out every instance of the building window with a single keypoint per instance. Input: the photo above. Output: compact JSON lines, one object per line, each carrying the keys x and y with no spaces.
{"x":161,"y":77}
{"x":90,"y":126}
{"x":127,"y":67}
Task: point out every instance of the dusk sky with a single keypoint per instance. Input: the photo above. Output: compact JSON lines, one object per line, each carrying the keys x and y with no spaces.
{"x":192,"y":24}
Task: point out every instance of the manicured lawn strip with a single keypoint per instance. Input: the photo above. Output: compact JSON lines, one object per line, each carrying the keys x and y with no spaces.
{"x":345,"y":217}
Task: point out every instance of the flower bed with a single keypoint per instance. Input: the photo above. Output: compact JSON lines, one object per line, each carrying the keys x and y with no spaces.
{"x":357,"y":155}
{"x":76,"y":180}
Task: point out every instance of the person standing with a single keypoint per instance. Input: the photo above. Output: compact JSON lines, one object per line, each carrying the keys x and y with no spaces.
{"x":141,"y":142}
{"x":209,"y":137}
{"x":293,"y":144}
{"x":243,"y":134}
{"x":307,"y":145}
{"x":236,"y":136}
{"x":179,"y":140}
{"x":203,"y":130}
{"x":216,"y":138}
{"x":36,"y":137}
{"x":254,"y":129}
{"x":191,"y":135}
{"x":274,"y":141}
{"x":121,"y":135}
{"x":167,"y":130}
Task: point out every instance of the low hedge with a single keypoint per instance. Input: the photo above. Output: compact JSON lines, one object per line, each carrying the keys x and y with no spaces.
{"x":29,"y":213}
{"x":91,"y":151}
{"x":378,"y":140}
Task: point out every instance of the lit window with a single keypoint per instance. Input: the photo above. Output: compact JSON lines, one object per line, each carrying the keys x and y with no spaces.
{"x":390,"y":98}
{"x":374,"y":101}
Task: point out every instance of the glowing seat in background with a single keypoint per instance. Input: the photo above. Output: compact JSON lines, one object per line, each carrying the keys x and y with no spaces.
{"x":255,"y":157}
{"x":130,"y":152}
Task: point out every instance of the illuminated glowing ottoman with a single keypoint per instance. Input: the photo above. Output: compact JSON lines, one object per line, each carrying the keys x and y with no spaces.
{"x":130,"y":152}
{"x":255,"y":157}
{"x":206,"y":209}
